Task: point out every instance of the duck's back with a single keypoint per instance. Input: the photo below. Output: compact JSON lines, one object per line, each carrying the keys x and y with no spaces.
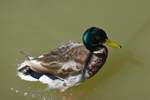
{"x":65,"y":53}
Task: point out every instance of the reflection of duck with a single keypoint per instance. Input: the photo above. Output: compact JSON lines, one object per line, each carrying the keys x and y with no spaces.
{"x":65,"y":66}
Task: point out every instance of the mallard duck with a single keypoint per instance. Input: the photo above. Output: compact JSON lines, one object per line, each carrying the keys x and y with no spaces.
{"x":69,"y":64}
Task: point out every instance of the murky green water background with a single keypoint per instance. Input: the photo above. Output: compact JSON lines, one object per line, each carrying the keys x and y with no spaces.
{"x":36,"y":26}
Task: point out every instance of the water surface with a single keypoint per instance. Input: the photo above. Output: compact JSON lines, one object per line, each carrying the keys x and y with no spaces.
{"x":37,"y":26}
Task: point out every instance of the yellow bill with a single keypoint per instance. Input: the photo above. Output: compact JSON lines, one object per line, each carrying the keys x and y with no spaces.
{"x":112,"y":44}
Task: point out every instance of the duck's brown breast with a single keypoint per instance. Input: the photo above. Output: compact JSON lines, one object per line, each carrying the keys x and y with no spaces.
{"x":97,"y":61}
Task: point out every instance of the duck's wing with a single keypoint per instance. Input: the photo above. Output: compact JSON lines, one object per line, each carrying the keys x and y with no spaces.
{"x":64,"y":61}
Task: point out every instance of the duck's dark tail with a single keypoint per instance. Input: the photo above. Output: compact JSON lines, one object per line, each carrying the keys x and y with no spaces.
{"x":26,"y":70}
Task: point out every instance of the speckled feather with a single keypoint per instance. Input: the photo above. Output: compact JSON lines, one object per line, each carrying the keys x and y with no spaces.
{"x":68,"y":60}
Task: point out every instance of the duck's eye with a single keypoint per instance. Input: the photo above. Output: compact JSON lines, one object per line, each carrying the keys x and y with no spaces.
{"x":96,"y":39}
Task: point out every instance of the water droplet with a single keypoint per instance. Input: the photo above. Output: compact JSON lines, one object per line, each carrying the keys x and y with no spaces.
{"x":11,"y":89}
{"x":17,"y":91}
{"x":25,"y":94}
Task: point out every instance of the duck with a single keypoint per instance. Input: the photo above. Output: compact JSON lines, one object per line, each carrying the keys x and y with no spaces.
{"x":71,"y":63}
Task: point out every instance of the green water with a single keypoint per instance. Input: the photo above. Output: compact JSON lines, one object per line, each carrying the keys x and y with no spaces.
{"x":36,"y":26}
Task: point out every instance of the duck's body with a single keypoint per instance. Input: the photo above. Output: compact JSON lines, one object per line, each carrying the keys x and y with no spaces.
{"x":62,"y":67}
{"x":71,"y":63}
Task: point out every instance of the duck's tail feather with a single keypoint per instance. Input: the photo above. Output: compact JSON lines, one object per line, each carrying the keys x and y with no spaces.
{"x":25,"y":71}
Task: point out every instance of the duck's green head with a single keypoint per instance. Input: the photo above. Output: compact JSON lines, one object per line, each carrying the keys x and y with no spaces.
{"x":94,"y":38}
